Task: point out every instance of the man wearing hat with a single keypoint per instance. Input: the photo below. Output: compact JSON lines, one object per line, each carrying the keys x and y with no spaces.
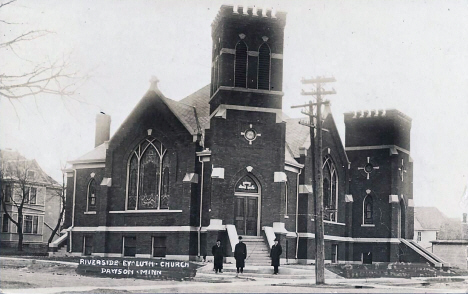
{"x":240,"y":254}
{"x":218,"y":254}
{"x":275,"y":254}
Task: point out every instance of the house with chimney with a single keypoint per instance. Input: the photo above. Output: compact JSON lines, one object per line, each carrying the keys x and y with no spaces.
{"x":226,"y":161}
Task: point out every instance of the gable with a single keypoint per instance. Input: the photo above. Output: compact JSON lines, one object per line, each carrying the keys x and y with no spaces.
{"x":155,"y":104}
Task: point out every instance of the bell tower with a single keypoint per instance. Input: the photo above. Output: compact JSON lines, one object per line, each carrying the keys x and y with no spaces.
{"x":246,"y":135}
{"x":247,"y":58}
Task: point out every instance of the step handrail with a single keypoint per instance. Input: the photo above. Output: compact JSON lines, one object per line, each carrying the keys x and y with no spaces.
{"x":56,"y":243}
{"x":435,"y":257}
{"x":422,"y":253}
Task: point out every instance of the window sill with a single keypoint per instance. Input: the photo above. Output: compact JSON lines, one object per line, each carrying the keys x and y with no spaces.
{"x":145,"y":211}
{"x":367,"y":225}
{"x":89,"y":212}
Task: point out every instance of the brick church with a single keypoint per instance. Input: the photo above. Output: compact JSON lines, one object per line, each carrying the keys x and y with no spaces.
{"x":225,"y":161}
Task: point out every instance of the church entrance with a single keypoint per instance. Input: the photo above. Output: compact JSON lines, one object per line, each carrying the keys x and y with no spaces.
{"x":247,"y":206}
{"x":246,"y":215}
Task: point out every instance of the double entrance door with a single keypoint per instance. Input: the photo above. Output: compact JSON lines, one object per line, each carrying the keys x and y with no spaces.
{"x":246,"y":215}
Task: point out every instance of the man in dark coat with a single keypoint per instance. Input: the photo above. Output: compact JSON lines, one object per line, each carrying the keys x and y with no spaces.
{"x":240,"y":254}
{"x":218,"y":254}
{"x":275,"y":254}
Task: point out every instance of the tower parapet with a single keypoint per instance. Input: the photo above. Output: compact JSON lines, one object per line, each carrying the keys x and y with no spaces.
{"x":377,"y":128}
{"x":247,"y":57}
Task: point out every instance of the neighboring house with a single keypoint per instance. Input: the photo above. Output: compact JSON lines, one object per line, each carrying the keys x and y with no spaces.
{"x":225,"y":161}
{"x":427,"y":224}
{"x":42,"y":204}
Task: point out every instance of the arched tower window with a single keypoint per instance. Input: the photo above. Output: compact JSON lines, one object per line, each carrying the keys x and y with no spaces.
{"x":240,"y":65}
{"x":148,"y":176}
{"x":368,"y":210}
{"x":330,"y":190}
{"x":91,"y":195}
{"x":264,"y":67}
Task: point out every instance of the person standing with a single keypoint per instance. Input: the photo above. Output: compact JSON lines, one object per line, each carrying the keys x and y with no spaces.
{"x":240,"y":254}
{"x":218,"y":254}
{"x":275,"y":254}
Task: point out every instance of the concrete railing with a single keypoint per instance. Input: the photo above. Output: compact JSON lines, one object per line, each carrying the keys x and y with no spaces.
{"x":58,"y":242}
{"x":232,"y":234}
{"x":422,"y":253}
{"x":270,"y":235}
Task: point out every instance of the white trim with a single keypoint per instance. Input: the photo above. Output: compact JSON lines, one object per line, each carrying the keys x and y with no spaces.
{"x":367,"y":225}
{"x":227,"y":51}
{"x":89,"y":212}
{"x":146,"y":211}
{"x":83,"y":165}
{"x":142,"y":255}
{"x":224,"y":107}
{"x":276,"y":56}
{"x":137,"y":229}
{"x":351,"y":239}
{"x":292,"y":167}
{"x":177,"y":257}
{"x":334,"y":223}
{"x":356,"y":148}
{"x":250,"y":90}
{"x":107,"y":254}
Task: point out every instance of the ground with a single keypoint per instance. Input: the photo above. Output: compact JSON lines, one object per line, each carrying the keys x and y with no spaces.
{"x":36,"y":276}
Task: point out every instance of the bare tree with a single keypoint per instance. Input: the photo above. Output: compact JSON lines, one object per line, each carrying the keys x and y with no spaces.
{"x":15,"y":182}
{"x":49,"y":77}
{"x":61,"y":194}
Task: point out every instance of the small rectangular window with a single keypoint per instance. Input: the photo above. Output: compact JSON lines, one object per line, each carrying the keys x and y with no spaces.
{"x":419,"y":236}
{"x":26,"y":195}
{"x":32,"y":195}
{"x":5,"y":223}
{"x":7,"y":193}
{"x":28,"y":224}
{"x":31,"y":174}
{"x":159,"y":246}
{"x":129,"y":246}
{"x":35,"y":224}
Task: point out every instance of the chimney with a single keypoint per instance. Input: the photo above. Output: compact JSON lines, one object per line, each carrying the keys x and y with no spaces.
{"x":103,"y":122}
{"x":464,"y":218}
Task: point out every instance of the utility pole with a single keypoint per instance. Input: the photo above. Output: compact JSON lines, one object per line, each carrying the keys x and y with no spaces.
{"x":315,"y":124}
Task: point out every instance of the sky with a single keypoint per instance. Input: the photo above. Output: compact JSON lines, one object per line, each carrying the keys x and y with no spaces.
{"x":408,"y":55}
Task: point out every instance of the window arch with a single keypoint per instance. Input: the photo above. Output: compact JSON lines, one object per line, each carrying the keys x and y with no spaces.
{"x":240,"y":65}
{"x":148,"y":176}
{"x":330,"y":189}
{"x":368,"y":210}
{"x":91,"y":195}
{"x":264,"y":67}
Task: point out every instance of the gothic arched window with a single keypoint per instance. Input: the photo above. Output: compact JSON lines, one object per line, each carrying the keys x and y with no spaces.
{"x":368,"y":210}
{"x":330,"y":189}
{"x":240,"y":65}
{"x":148,"y":176}
{"x":91,"y":195}
{"x":264,"y":64}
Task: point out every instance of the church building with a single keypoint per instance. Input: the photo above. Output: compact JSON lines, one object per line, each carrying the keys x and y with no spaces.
{"x":226,"y":162}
